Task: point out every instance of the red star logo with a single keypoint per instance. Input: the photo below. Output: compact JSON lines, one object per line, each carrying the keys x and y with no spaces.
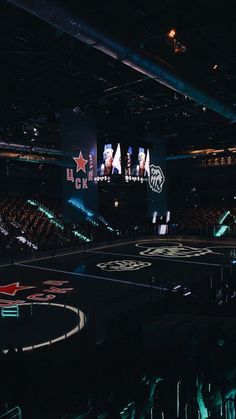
{"x":81,"y":162}
{"x":11,"y":289}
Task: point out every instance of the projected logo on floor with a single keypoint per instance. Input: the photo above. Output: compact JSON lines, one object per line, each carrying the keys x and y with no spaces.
{"x":47,"y":294}
{"x":79,"y":323}
{"x":123,"y":265}
{"x":173,"y":249}
{"x":42,"y":297}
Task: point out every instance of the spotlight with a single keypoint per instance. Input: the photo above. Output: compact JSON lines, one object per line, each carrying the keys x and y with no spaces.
{"x":179,"y":48}
{"x":187,"y":293}
{"x":215,"y":66}
{"x":171,"y":34}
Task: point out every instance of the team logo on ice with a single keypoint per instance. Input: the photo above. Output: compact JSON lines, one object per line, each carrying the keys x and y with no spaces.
{"x":175,"y":250}
{"x":156,"y":179}
{"x":123,"y":265}
{"x":50,"y":291}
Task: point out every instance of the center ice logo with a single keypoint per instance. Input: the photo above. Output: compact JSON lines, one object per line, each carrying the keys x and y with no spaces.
{"x":175,"y":250}
{"x":123,"y":265}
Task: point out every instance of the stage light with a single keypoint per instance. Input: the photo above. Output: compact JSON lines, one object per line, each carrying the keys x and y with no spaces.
{"x":179,"y":48}
{"x":226,"y":213}
{"x":187,"y":293}
{"x":12,"y":311}
{"x":171,"y":34}
{"x":215,"y":66}
{"x":46,"y":212}
{"x":154,"y":217}
{"x":81,"y":236}
{"x":168,"y":216}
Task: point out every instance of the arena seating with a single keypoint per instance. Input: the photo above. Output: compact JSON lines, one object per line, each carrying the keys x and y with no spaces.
{"x":202,"y":220}
{"x":22,"y":220}
{"x":33,"y":224}
{"x":30,"y":224}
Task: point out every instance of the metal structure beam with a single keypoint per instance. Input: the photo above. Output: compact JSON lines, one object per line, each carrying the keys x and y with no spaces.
{"x":60,"y":16}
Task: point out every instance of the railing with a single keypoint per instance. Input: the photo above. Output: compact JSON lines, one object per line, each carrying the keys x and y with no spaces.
{"x":14,"y":413}
{"x":182,"y":410}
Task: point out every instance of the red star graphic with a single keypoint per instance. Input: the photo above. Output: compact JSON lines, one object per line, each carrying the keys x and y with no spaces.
{"x":11,"y":289}
{"x":81,"y":162}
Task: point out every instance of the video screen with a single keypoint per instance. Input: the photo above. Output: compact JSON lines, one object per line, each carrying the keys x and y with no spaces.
{"x":137,"y":162}
{"x":110,"y":163}
{"x":126,"y":160}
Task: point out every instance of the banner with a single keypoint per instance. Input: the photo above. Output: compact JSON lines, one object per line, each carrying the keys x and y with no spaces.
{"x":79,"y":145}
{"x":156,"y":187}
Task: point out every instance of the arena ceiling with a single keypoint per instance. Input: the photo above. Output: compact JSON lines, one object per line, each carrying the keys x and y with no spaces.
{"x":45,"y":69}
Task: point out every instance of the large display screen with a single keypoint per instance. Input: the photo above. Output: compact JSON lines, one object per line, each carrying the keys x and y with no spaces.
{"x":110,"y":161}
{"x":117,"y":159}
{"x":145,"y":163}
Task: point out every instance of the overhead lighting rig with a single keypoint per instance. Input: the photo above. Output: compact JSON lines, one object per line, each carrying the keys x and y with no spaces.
{"x":175,"y":43}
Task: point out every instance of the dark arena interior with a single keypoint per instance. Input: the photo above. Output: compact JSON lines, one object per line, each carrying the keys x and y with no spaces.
{"x":117,"y":209}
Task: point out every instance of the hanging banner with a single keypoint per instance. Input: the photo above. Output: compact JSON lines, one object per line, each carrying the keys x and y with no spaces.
{"x":79,"y":145}
{"x":156,"y":186}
